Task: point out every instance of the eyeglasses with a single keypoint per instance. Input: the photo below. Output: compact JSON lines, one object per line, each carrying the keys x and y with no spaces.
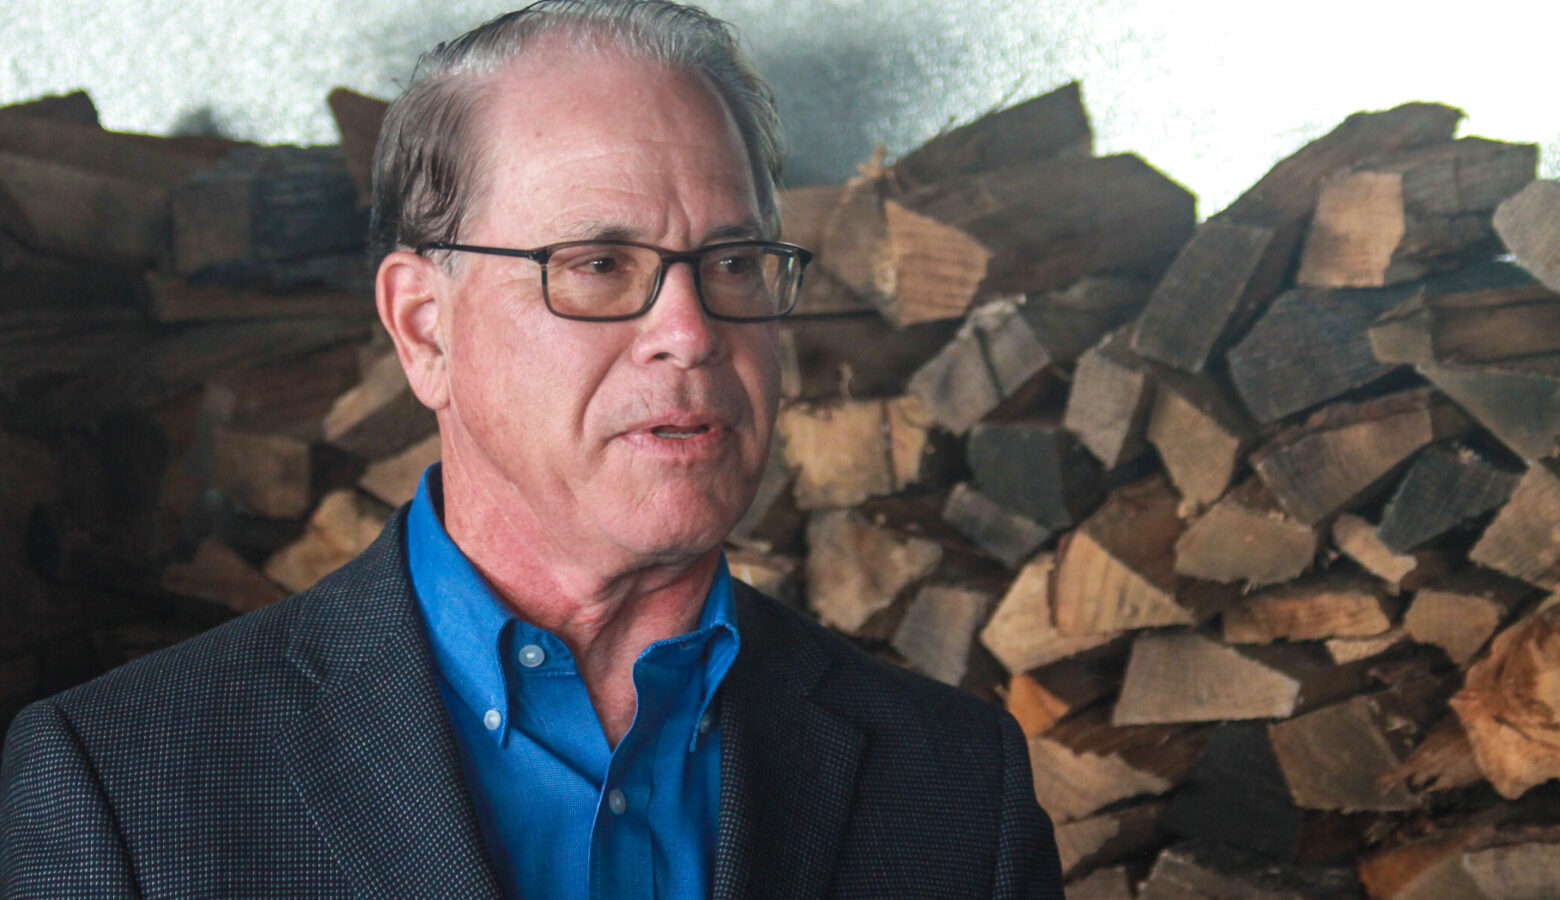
{"x":609,"y":281}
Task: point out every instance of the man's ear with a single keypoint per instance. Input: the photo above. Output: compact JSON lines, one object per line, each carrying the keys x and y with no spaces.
{"x":410,"y":291}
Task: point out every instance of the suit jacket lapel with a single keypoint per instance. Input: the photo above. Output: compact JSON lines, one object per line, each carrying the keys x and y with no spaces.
{"x":788,"y":765}
{"x":374,"y":758}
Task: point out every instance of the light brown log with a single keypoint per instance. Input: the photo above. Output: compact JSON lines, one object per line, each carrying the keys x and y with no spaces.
{"x":1246,"y":537}
{"x":217,"y":574}
{"x":937,"y":632}
{"x":855,"y":571}
{"x":289,"y":395}
{"x":1347,"y":449}
{"x":380,"y":416}
{"x":1213,"y":872}
{"x":1529,"y":225}
{"x":1085,"y":764}
{"x":1336,"y":757}
{"x":1201,"y":434}
{"x":1524,"y":539}
{"x":1355,"y":537}
{"x":1398,"y":219}
{"x":1116,"y":571}
{"x":1477,"y":314}
{"x":994,"y":353}
{"x":394,"y":478}
{"x":1345,"y":650}
{"x":937,"y":269}
{"x":838,"y":451}
{"x":1112,"y":394}
{"x":342,"y":526}
{"x":266,"y":472}
{"x":804,"y":217}
{"x":1518,"y":400}
{"x":1102,"y":884}
{"x":1177,"y":676}
{"x":1336,"y":603}
{"x":358,"y":119}
{"x":998,"y":531}
{"x":1526,"y":870}
{"x":1510,"y":707}
{"x":1460,"y":613}
{"x":854,"y":242}
{"x":1041,"y":698}
{"x":1052,"y":125}
{"x":1021,"y":633}
{"x":1426,"y":869}
{"x":1109,"y":837}
{"x":1443,"y":761}
{"x":773,"y":574}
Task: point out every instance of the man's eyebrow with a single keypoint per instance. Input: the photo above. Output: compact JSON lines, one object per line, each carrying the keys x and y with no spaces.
{"x":603,"y":231}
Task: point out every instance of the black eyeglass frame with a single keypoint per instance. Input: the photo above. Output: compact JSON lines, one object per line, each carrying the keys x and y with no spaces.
{"x":541,"y":255}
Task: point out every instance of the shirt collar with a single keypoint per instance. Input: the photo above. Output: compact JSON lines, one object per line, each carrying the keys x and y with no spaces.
{"x":467,"y":621}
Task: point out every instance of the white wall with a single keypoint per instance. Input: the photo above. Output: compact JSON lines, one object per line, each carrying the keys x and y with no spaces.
{"x":1212,"y":92}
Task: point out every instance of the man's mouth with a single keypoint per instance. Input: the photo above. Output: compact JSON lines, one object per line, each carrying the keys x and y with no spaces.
{"x":678,"y":433}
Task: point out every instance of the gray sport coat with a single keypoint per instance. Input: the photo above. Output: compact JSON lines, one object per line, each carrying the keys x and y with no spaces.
{"x":303,"y":751}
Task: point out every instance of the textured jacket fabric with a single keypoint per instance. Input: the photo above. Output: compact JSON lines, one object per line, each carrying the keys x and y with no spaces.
{"x":303,"y":751}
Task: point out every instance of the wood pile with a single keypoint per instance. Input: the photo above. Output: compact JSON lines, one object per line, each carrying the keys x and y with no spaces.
{"x":1253,"y":523}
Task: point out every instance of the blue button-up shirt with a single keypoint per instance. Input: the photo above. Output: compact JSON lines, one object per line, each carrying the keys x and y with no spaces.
{"x":565,"y":815}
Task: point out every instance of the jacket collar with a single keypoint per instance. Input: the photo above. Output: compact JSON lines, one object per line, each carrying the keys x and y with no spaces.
{"x":788,"y":765}
{"x":373,"y":758}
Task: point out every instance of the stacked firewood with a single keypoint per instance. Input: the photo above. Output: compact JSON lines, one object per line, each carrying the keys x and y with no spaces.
{"x":1251,"y":523}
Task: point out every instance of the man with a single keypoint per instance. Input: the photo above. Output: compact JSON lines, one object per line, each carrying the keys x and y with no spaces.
{"x":541,"y":681}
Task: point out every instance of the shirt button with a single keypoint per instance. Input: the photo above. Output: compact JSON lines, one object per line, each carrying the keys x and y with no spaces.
{"x":705,"y":721}
{"x":616,"y":801}
{"x":492,"y":719}
{"x":532,"y":656}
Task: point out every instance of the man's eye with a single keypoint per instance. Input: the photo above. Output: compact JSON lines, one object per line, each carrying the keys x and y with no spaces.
{"x":735,"y":265}
{"x":597,"y":265}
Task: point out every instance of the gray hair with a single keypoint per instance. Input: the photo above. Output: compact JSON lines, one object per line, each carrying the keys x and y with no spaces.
{"x":426,"y":164}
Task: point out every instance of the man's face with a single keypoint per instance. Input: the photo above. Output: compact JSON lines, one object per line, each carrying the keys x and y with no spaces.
{"x":603,"y":442}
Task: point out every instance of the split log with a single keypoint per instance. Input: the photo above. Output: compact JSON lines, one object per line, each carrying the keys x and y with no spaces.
{"x":1102,"y":884}
{"x":1021,"y":632}
{"x":1201,"y":434}
{"x":994,"y":354}
{"x":1347,"y":449}
{"x":1051,"y":126}
{"x":1528,"y":867}
{"x":1246,"y":537}
{"x":804,"y":218}
{"x":845,"y":452}
{"x":1045,"y":696}
{"x":775,"y":575}
{"x":1522,"y":540}
{"x":1109,"y":837}
{"x":1443,"y":761}
{"x":1481,"y":313}
{"x":1400,"y":218}
{"x":1356,"y":538}
{"x":343,"y":526}
{"x":267,"y":472}
{"x":1509,"y":708}
{"x":1478,"y":861}
{"x":1335,"y":603}
{"x":1048,"y":223}
{"x":1084,"y":764}
{"x":1445,"y":487}
{"x":937,"y":633}
{"x":937,"y":269}
{"x":358,"y":120}
{"x":1224,"y":276}
{"x":997,"y":530}
{"x":1235,"y":794}
{"x":1116,"y":571}
{"x":1036,"y":469}
{"x":856,"y":356}
{"x":1112,"y":395}
{"x":380,"y":415}
{"x":1336,"y":757}
{"x":1309,"y":347}
{"x":219,"y":575}
{"x":394,"y":478}
{"x":1180,"y":676}
{"x":1529,"y":225}
{"x":1460,"y":613}
{"x":855,"y":571}
{"x":75,"y":107}
{"x":1211,"y":871}
{"x":853,"y":243}
{"x":1345,"y":650}
{"x":1518,"y":400}
{"x":265,"y":204}
{"x":177,"y":300}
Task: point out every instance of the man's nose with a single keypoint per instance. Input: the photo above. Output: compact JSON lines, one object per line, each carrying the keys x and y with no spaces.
{"x":676,"y":329}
